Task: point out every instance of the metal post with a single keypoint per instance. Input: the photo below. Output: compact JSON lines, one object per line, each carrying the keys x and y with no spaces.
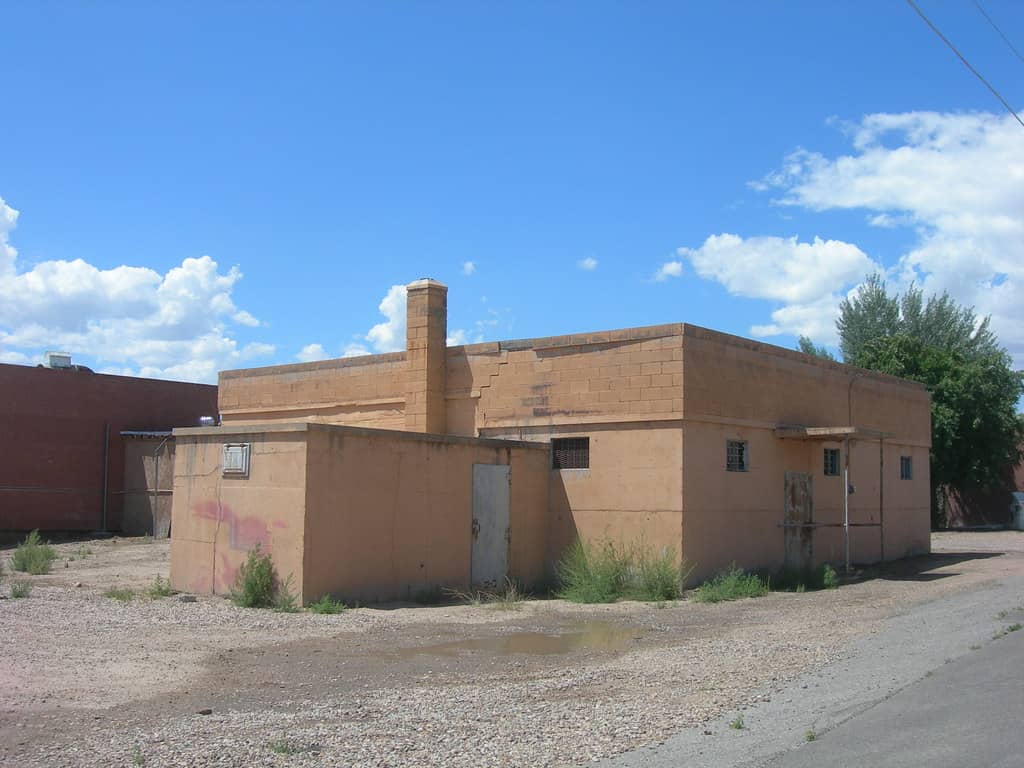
{"x":106,"y":474}
{"x":881,"y":498}
{"x":846,"y":503}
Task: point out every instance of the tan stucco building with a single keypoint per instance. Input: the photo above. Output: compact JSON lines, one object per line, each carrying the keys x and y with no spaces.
{"x":376,"y":477}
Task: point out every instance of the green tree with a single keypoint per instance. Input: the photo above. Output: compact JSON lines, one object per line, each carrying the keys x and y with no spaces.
{"x":808,"y":347}
{"x":871,"y":314}
{"x":976,"y":430}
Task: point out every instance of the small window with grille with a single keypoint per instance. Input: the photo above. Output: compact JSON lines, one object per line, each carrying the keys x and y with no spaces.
{"x":570,"y":453}
{"x":906,"y":467}
{"x":737,"y":457}
{"x":831,"y":461}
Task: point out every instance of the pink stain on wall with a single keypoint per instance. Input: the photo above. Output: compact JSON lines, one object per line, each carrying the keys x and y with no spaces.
{"x":244,"y":532}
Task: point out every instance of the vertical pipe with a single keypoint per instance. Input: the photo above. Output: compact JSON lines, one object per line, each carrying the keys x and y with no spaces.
{"x":106,"y":474}
{"x":881,"y":498}
{"x":846,"y":503}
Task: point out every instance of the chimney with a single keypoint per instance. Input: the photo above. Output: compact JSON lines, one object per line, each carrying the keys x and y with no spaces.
{"x":426,"y":356}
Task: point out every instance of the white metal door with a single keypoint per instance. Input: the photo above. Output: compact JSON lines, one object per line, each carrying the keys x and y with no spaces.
{"x":490,"y":524}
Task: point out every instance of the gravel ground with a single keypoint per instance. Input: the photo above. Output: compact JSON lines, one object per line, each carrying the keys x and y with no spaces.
{"x":86,"y":680}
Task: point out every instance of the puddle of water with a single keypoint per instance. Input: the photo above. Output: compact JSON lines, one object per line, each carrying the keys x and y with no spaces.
{"x":586,"y":636}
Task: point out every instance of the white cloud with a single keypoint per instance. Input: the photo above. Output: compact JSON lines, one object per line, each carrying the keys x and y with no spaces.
{"x":805,"y":277}
{"x":669,"y":269}
{"x":311,"y":352}
{"x":457,"y":337}
{"x":389,"y":336}
{"x":957,"y":180}
{"x":588,"y":264}
{"x":133,"y":319}
{"x":468,"y":267}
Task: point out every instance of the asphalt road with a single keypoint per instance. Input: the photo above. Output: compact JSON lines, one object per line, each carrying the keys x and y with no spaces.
{"x":969,"y":712}
{"x":933,"y":687}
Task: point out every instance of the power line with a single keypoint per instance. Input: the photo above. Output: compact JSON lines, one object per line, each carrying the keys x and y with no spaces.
{"x":997,"y":29}
{"x":967,"y":64}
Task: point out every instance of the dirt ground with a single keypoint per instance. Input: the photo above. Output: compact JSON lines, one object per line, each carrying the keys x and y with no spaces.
{"x":86,"y":680}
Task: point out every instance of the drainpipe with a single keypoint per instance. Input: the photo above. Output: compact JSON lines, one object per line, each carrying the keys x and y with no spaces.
{"x":106,"y":475}
{"x":846,"y":503}
{"x":846,"y":473}
{"x":156,"y":479}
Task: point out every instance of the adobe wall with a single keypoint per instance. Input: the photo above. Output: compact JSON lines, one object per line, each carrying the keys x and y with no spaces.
{"x":216,"y":520}
{"x":364,"y":391}
{"x":738,"y":389}
{"x":390,"y":514}
{"x":52,"y":429}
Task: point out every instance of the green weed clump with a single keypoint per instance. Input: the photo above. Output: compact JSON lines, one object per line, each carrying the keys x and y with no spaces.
{"x":604,"y":573}
{"x":327,"y":605}
{"x":33,"y":555}
{"x":592,"y":574}
{"x":20,"y":589}
{"x":160,"y":587}
{"x":731,"y":584}
{"x":258,"y":586}
{"x":737,"y":723}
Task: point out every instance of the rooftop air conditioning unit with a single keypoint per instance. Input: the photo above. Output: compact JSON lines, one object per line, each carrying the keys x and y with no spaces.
{"x":57,"y":360}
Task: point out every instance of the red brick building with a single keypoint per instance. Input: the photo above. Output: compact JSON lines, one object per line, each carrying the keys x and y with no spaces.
{"x":62,"y":460}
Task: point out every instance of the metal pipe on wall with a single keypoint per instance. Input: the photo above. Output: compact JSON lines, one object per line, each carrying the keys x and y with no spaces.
{"x":846,"y":503}
{"x":106,"y":474}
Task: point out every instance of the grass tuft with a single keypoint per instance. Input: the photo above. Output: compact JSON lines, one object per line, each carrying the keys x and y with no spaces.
{"x":508,"y":598}
{"x":160,"y":587}
{"x":327,"y":605}
{"x":737,"y":723}
{"x":731,"y":584}
{"x":120,"y":593}
{"x":283,"y":746}
{"x":810,"y":736}
{"x":20,"y":589}
{"x":33,"y":555}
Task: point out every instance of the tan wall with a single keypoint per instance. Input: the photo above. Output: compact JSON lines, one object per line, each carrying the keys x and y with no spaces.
{"x":741,"y":390}
{"x":365,"y":391}
{"x":140,"y":466}
{"x":390,"y":515}
{"x":217,"y":520}
{"x":631,"y":494}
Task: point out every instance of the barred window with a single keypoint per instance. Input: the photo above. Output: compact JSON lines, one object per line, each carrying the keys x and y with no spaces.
{"x":906,"y":467}
{"x":831,"y":461}
{"x":570,"y":453}
{"x":737,"y":458}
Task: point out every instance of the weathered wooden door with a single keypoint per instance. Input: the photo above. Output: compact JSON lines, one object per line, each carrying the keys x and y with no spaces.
{"x":799,"y":514}
{"x":490,"y":524}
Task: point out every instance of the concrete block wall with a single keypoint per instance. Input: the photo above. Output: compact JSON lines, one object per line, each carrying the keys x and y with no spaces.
{"x":368,"y":391}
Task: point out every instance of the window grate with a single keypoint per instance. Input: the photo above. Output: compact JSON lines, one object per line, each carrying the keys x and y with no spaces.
{"x":832,"y":461}
{"x":570,"y":453}
{"x":906,"y":467}
{"x":736,"y":456}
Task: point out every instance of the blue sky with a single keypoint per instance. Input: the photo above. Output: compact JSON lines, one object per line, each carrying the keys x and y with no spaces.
{"x":191,"y":187}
